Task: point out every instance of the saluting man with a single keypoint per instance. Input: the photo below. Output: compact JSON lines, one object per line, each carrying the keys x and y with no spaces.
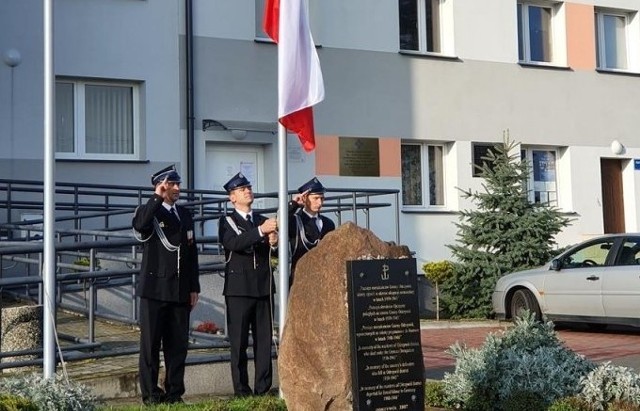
{"x":249,"y":240}
{"x":306,"y":226}
{"x":168,"y":287}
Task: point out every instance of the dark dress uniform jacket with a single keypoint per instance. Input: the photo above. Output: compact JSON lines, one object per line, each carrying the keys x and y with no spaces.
{"x":311,"y":232}
{"x":243,"y":250}
{"x":159,"y":278}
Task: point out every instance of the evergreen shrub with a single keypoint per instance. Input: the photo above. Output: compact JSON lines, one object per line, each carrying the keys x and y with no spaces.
{"x":434,"y":395}
{"x":608,"y":384}
{"x":51,"y":394}
{"x":526,"y":361}
{"x":573,"y":403}
{"x":10,"y":402}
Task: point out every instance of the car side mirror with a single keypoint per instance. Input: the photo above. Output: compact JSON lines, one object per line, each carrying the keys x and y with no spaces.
{"x":556,"y":264}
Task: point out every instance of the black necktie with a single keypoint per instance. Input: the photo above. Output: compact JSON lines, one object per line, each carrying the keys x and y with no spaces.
{"x":249,"y":220}
{"x":314,"y":223}
{"x":173,"y":213}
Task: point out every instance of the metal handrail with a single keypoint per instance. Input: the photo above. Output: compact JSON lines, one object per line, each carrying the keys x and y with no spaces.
{"x":99,"y":206}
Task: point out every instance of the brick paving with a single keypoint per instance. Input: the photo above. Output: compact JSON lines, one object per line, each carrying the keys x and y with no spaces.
{"x":619,"y":345}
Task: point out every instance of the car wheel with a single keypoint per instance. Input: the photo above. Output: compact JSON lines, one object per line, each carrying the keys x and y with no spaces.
{"x":524,"y":300}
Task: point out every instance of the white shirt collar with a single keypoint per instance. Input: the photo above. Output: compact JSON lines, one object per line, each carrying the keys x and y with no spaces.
{"x":311,"y":216}
{"x":244,"y":214}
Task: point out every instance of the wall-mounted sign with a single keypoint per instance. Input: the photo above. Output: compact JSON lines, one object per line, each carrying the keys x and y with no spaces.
{"x":636,"y":164}
{"x":359,"y":157}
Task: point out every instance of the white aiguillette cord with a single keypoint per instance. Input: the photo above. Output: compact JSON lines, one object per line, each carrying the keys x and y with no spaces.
{"x":163,"y":239}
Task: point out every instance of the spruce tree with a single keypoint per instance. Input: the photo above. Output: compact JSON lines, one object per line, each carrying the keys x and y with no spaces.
{"x":503,"y":234}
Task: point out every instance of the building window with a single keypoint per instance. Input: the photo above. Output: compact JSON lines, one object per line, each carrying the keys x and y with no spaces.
{"x":480,"y":152}
{"x":611,"y":40}
{"x":97,"y":120}
{"x":424,"y":26}
{"x":260,"y":34}
{"x":543,"y":181}
{"x":541,"y":33}
{"x":422,"y":175}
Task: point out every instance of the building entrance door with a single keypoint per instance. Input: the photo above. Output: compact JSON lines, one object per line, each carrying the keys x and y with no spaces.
{"x":223,"y":161}
{"x":612,"y":198}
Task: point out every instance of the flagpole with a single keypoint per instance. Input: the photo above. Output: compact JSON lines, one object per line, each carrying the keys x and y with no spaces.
{"x":48,"y":266}
{"x":283,"y":229}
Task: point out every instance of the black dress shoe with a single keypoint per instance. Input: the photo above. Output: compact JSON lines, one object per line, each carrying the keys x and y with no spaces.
{"x":153,"y":400}
{"x":173,"y":400}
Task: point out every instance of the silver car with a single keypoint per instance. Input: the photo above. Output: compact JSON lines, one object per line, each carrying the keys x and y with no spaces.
{"x":595,"y":282}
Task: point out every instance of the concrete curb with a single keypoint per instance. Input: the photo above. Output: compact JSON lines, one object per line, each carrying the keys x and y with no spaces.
{"x":444,"y":324}
{"x":212,"y":379}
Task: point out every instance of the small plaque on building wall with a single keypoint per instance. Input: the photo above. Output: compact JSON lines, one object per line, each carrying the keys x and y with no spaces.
{"x":359,"y":157}
{"x":636,"y":164}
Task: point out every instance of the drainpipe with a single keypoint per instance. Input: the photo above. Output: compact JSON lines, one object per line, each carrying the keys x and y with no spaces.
{"x":189,"y":103}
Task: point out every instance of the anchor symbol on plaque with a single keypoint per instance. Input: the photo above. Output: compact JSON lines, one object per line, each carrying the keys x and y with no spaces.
{"x":385,"y":272}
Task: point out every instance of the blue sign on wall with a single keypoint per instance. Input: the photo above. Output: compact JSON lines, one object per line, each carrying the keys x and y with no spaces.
{"x":636,"y":164}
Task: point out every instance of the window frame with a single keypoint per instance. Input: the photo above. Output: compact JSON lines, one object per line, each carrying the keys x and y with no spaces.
{"x":476,"y":157}
{"x":79,"y":113}
{"x":314,"y":22}
{"x":557,"y":33}
{"x":528,"y":150}
{"x":425,"y":181}
{"x":601,"y":50}
{"x":444,"y":29}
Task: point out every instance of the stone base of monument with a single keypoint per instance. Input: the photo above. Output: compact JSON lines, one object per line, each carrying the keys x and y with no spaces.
{"x":314,"y":364}
{"x":20,"y":329}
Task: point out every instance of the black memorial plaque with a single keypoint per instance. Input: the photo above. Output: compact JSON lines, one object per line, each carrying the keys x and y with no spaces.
{"x":387,"y":369}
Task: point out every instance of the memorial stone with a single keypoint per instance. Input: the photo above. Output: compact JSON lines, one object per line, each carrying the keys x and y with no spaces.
{"x":314,"y":358}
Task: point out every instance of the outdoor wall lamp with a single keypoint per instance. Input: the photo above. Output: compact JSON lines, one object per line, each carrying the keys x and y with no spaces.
{"x":617,"y":148}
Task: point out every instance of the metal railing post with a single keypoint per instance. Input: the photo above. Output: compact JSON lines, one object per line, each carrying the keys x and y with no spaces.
{"x":134,"y":279}
{"x":367,"y":213}
{"x":76,"y":207}
{"x":9,"y":210}
{"x":107,"y":208}
{"x":40,"y":285}
{"x":354,"y":199}
{"x":92,"y":296}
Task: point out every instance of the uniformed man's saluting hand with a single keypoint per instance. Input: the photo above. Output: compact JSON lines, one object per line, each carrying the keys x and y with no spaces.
{"x":161,"y":188}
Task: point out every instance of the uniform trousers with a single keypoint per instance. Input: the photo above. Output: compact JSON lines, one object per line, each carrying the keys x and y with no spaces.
{"x":163,"y":324}
{"x":244,"y":314}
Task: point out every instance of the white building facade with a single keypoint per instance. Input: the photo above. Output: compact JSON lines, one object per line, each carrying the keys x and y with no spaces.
{"x":429,"y":84}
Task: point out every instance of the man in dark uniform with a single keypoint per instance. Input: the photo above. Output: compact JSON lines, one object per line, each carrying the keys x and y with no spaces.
{"x":306,"y":226}
{"x":168,"y":287}
{"x":249,"y":240}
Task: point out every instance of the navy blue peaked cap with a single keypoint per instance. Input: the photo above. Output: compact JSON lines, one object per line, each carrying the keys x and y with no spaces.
{"x":168,"y":173}
{"x":237,"y":181}
{"x":314,"y":186}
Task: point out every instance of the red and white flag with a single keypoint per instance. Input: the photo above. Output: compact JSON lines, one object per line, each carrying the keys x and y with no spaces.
{"x":300,"y":84}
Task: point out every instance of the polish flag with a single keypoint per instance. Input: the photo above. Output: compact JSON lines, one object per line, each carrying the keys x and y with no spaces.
{"x":300,"y":84}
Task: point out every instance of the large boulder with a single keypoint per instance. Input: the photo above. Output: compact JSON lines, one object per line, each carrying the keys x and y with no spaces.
{"x":314,"y":365}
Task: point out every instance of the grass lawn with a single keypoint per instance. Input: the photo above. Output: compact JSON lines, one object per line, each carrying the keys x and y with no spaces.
{"x":263,"y":403}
